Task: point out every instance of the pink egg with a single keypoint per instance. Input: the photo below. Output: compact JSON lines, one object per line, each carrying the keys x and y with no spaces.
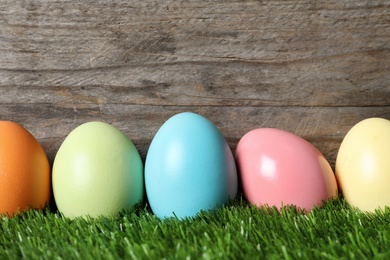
{"x":278,"y":168}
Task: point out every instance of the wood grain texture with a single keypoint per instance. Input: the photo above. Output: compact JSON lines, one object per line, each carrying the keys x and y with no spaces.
{"x":314,"y":68}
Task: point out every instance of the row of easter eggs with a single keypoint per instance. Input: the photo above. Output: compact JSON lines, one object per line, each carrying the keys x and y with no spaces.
{"x":189,"y":167}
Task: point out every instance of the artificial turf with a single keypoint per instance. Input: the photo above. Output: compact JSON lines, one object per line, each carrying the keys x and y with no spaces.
{"x":237,"y":231}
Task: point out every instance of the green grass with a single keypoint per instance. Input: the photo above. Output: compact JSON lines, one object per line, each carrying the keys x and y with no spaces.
{"x":237,"y":231}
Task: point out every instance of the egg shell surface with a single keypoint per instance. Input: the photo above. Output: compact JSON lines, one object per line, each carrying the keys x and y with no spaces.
{"x":363,"y":165}
{"x":189,"y":167}
{"x":24,"y":170}
{"x":278,"y":168}
{"x":97,"y":171}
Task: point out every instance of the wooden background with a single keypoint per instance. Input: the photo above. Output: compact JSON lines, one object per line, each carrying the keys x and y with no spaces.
{"x":314,"y":68}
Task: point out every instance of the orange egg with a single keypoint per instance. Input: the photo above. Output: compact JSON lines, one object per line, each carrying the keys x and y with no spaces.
{"x":24,"y":170}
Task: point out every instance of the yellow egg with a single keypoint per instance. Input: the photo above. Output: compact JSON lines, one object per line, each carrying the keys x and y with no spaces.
{"x":363,"y":165}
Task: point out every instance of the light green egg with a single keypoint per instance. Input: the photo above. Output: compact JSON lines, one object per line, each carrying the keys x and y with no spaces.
{"x":97,"y":171}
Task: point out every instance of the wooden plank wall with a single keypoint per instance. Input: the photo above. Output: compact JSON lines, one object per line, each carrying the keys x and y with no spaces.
{"x":314,"y":68}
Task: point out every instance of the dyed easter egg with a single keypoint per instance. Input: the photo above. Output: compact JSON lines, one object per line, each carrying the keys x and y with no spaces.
{"x":363,"y":165}
{"x":189,"y":167}
{"x":278,"y":168}
{"x":24,"y":171}
{"x":97,"y":171}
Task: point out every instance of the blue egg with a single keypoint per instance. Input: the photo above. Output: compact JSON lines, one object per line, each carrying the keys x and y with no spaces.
{"x":189,"y":167}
